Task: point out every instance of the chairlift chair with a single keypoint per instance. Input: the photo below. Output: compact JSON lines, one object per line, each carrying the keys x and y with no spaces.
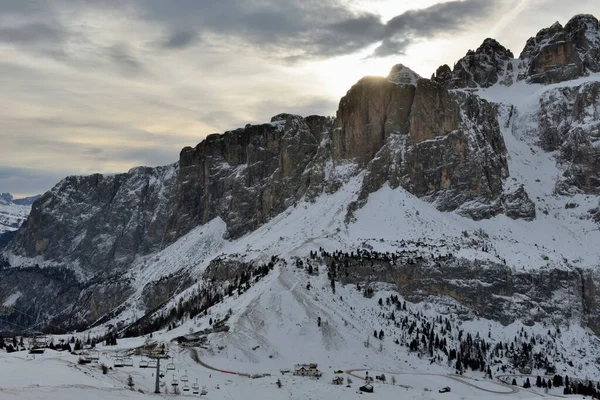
{"x":128,"y":362}
{"x":196,"y":388}
{"x":170,"y":367}
{"x":143,"y":364}
{"x":185,"y":377}
{"x":186,"y":387}
{"x":204,"y":391}
{"x":152,"y":363}
{"x":174,"y":382}
{"x":118,"y":362}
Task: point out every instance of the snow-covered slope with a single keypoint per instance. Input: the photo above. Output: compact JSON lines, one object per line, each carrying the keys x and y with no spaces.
{"x":13,"y":212}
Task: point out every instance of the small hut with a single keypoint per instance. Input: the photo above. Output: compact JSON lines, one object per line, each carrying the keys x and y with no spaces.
{"x":368,"y":388}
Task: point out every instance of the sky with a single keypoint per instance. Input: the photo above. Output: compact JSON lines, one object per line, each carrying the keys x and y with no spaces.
{"x":105,"y":85}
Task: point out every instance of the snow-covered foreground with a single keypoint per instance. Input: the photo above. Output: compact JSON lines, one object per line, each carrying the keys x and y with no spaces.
{"x":273,"y":326}
{"x":58,"y":376}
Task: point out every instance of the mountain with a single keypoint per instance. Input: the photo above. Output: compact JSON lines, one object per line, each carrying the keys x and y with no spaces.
{"x":474,"y":192}
{"x":26,"y":201}
{"x":13,"y":212}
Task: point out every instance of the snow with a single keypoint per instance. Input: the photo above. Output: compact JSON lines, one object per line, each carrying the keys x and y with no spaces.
{"x":279,"y":316}
{"x":12,"y":299}
{"x":57,"y":376}
{"x":12,"y":216}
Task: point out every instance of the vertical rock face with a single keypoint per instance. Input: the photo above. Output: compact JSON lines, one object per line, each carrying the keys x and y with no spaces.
{"x":433,"y":113}
{"x":244,"y":176}
{"x":560,"y":53}
{"x":453,"y":155}
{"x":371,"y":110}
{"x":98,"y":222}
{"x":568,"y":122}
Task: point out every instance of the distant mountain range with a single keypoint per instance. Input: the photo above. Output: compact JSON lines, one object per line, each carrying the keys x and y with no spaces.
{"x":8,"y":199}
{"x":12,"y":214}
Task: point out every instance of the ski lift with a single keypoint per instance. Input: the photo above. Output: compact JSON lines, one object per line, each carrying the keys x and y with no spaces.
{"x":128,"y":362}
{"x":174,"y":382}
{"x":118,"y":362}
{"x":196,"y":388}
{"x":185,"y":378}
{"x":186,"y":387}
{"x":204,"y":391}
{"x":143,"y":364}
{"x":152,"y":363}
{"x":170,"y":367}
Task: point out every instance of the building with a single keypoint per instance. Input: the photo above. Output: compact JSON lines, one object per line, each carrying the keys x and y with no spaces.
{"x":368,"y":388}
{"x":338,"y":380}
{"x":306,"y":370}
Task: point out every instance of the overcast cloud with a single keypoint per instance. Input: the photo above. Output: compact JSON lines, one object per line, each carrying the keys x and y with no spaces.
{"x":102,"y":86}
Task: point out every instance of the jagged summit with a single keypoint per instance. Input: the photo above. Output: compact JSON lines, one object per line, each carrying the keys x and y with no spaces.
{"x":403,"y":75}
{"x":554,"y":54}
{"x":558,"y":53}
{"x":483,"y":67}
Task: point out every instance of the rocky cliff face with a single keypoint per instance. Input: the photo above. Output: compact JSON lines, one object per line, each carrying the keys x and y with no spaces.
{"x":98,"y":224}
{"x":562,"y":53}
{"x":486,"y":290}
{"x":566,"y":121}
{"x":245,"y":176}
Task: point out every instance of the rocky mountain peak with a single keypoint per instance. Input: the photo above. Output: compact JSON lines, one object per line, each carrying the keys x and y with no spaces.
{"x":484,"y":67}
{"x":403,"y":75}
{"x":558,"y":53}
{"x":5,"y":199}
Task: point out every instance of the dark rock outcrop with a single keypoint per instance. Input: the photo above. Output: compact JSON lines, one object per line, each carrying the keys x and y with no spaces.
{"x":372,"y":109}
{"x":558,"y":53}
{"x":491,"y":63}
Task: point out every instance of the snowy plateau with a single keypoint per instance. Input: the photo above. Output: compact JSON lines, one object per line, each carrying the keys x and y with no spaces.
{"x":420,"y":281}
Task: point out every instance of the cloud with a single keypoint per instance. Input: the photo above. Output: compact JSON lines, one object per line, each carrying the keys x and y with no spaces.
{"x":123,"y":58}
{"x":443,"y":18}
{"x":310,"y":28}
{"x":27,"y":181}
{"x":31,"y":34}
{"x":180,"y":40}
